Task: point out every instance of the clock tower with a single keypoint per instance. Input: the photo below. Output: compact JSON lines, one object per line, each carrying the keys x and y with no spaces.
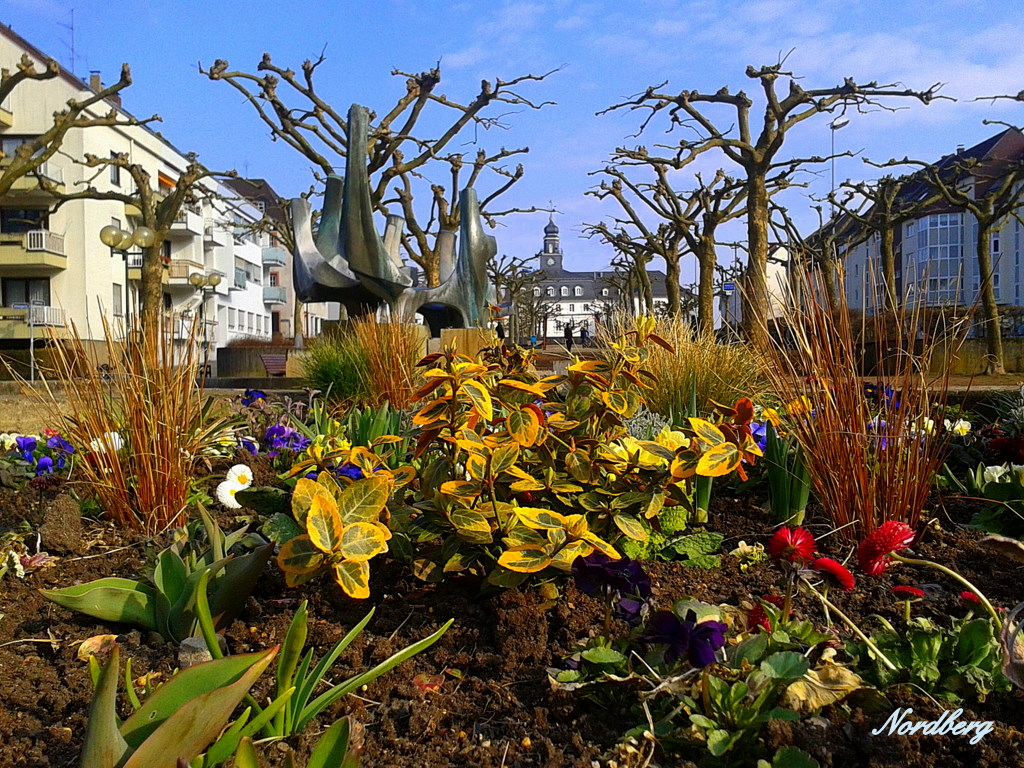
{"x":551,"y":255}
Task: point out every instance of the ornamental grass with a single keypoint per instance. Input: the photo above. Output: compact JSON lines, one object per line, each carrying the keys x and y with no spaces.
{"x":872,"y":450}
{"x":717,"y":371}
{"x":140,"y":420}
{"x":391,"y":351}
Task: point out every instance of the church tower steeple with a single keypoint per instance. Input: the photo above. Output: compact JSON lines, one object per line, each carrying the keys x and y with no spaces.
{"x":551,"y":255}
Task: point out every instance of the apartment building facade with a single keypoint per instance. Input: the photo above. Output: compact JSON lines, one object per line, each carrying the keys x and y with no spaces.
{"x":54,"y":269}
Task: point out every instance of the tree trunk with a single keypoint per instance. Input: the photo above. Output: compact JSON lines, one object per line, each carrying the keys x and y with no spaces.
{"x":152,"y":286}
{"x":755,"y":284}
{"x":644,"y":283}
{"x":298,"y":332}
{"x":829,"y":278}
{"x":672,"y":283}
{"x":887,"y":252}
{"x":993,"y":330}
{"x":706,"y":260}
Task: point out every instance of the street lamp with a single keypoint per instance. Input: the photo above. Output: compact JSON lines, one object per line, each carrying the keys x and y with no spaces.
{"x":118,"y":239}
{"x":206,"y":284}
{"x":835,"y":125}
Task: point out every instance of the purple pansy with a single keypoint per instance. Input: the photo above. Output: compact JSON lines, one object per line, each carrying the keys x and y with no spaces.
{"x":685,"y":637}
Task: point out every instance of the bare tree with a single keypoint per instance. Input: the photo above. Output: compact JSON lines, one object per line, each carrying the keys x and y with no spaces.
{"x":515,"y":282}
{"x":158,"y":211}
{"x":634,"y":256}
{"x":29,"y":157}
{"x":397,"y":161}
{"x":754,"y":144}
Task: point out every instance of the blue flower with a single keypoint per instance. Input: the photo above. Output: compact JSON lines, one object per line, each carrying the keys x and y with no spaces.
{"x":251,"y":396}
{"x":248,"y":444}
{"x":44,"y":466}
{"x":351,"y":471}
{"x":760,"y":434}
{"x":60,"y":444}
{"x":697,"y":642}
{"x":598,"y":574}
{"x":26,"y":446}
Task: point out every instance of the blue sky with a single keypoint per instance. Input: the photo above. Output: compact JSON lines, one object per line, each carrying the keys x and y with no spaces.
{"x":607,"y":52}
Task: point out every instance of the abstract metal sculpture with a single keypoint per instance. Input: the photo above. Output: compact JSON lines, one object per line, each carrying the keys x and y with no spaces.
{"x":348,"y":261}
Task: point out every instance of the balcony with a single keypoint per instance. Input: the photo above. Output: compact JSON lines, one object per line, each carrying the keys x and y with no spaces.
{"x":273,"y":294}
{"x":30,"y":183}
{"x":36,"y":252}
{"x":215,"y":235}
{"x":180,"y":269}
{"x":134,"y":265}
{"x":23,"y":322}
{"x":188,"y":222}
{"x":274,"y":257}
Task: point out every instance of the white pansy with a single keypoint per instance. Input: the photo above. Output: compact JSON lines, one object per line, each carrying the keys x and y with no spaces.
{"x":1017,"y":468}
{"x":111,"y":440}
{"x":240,"y":474}
{"x":996,"y":473}
{"x":226,"y":494}
{"x":959,"y":427}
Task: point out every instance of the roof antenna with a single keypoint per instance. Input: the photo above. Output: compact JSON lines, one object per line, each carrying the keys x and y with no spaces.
{"x":71,"y":27}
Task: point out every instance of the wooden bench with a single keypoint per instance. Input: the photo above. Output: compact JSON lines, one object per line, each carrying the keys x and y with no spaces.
{"x":276,"y":365}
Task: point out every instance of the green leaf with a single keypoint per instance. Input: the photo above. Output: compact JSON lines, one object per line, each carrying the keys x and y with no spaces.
{"x":355,"y":683}
{"x":974,"y":643}
{"x":504,"y":456}
{"x":703,"y":561}
{"x":332,"y":749}
{"x":696,"y":544}
{"x":170,"y":575}
{"x":280,"y":529}
{"x":469,"y":520}
{"x":703,"y":722}
{"x":104,"y":747}
{"x":195,"y":723}
{"x":189,"y":685}
{"x":720,"y":742}
{"x":111,"y":599}
{"x":630,"y":526}
{"x":793,"y":757}
{"x":785,"y":665}
{"x":267,"y":500}
{"x":245,"y":755}
{"x":603,"y":655}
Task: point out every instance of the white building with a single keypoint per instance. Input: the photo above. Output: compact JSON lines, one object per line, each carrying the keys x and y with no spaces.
{"x":54,"y":260}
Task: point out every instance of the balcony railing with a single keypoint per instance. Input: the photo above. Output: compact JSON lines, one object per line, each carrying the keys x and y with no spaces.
{"x":44,"y":240}
{"x":273,"y":294}
{"x":274,"y":257}
{"x":34,"y":315}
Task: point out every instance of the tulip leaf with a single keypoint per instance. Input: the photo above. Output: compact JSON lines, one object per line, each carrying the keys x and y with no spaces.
{"x":104,"y":746}
{"x":111,"y":599}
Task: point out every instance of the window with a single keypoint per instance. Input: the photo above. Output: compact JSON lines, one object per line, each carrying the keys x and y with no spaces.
{"x":115,"y":171}
{"x":577,"y":291}
{"x":565,"y":290}
{"x":910,"y":229}
{"x":260,"y":206}
{"x":19,"y":220}
{"x":118,"y":297}
{"x":536,"y":292}
{"x":551,"y":291}
{"x":940,"y":256}
{"x":275,"y":279}
{"x":20,"y":290}
{"x":572,"y":307}
{"x":604,"y":291}
{"x":231,"y":317}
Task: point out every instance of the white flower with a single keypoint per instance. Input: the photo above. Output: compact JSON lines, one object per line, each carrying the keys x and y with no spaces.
{"x":9,"y":441}
{"x":226,"y":494}
{"x":239,"y":474}
{"x":111,"y":440}
{"x":1017,"y":468}
{"x":996,"y":473}
{"x":959,"y":427}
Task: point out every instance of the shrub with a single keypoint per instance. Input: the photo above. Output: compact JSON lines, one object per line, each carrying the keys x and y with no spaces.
{"x":335,"y":364}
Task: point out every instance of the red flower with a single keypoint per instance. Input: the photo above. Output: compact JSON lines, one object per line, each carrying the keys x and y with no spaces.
{"x":835,"y":572}
{"x":969,"y":597}
{"x":758,"y":618}
{"x":777,"y":600}
{"x":908,"y":593}
{"x":792,"y":544}
{"x":874,"y":551}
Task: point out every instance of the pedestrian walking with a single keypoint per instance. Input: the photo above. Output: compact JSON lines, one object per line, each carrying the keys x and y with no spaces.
{"x":568,"y":337}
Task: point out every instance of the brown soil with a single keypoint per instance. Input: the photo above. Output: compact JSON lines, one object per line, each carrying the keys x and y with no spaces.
{"x":495,"y":706}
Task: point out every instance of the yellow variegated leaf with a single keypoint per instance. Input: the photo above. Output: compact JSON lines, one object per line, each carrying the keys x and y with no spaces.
{"x":431,"y":412}
{"x":469,"y":520}
{"x":602,"y":545}
{"x":298,"y":555}
{"x":519,"y":472}
{"x":576,"y":525}
{"x":521,"y":536}
{"x":556,"y":538}
{"x":522,"y":386}
{"x":363,"y":458}
{"x":385,"y":440}
{"x":706,"y":432}
{"x":435,"y":373}
{"x":683,"y":466}
{"x":524,"y":426}
{"x":527,"y":485}
{"x":476,"y":465}
{"x":323,"y":523}
{"x":540,"y":519}
{"x":578,"y":465}
{"x":719,"y":460}
{"x":480,"y":397}
{"x":615,"y":400}
{"x":294,"y":579}
{"x":364,"y":500}
{"x":561,"y":486}
{"x":525,"y":560}
{"x":403,"y":475}
{"x":590,"y":366}
{"x":461,"y":489}
{"x":302,"y":497}
{"x":361,"y":541}
{"x":384,"y":531}
{"x":353,"y":576}
{"x":469,"y":368}
{"x":504,"y":456}
{"x":630,"y":526}
{"x":564,"y":558}
{"x":657,"y":449}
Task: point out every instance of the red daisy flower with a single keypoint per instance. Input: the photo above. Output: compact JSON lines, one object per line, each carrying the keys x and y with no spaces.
{"x":908,"y":593}
{"x":758,"y":617}
{"x":792,"y":544}
{"x":969,"y":597}
{"x":835,"y":572}
{"x":873,"y":553}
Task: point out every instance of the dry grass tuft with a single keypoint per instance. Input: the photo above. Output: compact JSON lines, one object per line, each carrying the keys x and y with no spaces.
{"x":391,"y":351}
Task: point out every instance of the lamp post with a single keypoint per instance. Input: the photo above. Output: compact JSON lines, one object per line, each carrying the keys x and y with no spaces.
{"x":118,"y":239}
{"x":835,"y":125}
{"x":206,"y":284}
